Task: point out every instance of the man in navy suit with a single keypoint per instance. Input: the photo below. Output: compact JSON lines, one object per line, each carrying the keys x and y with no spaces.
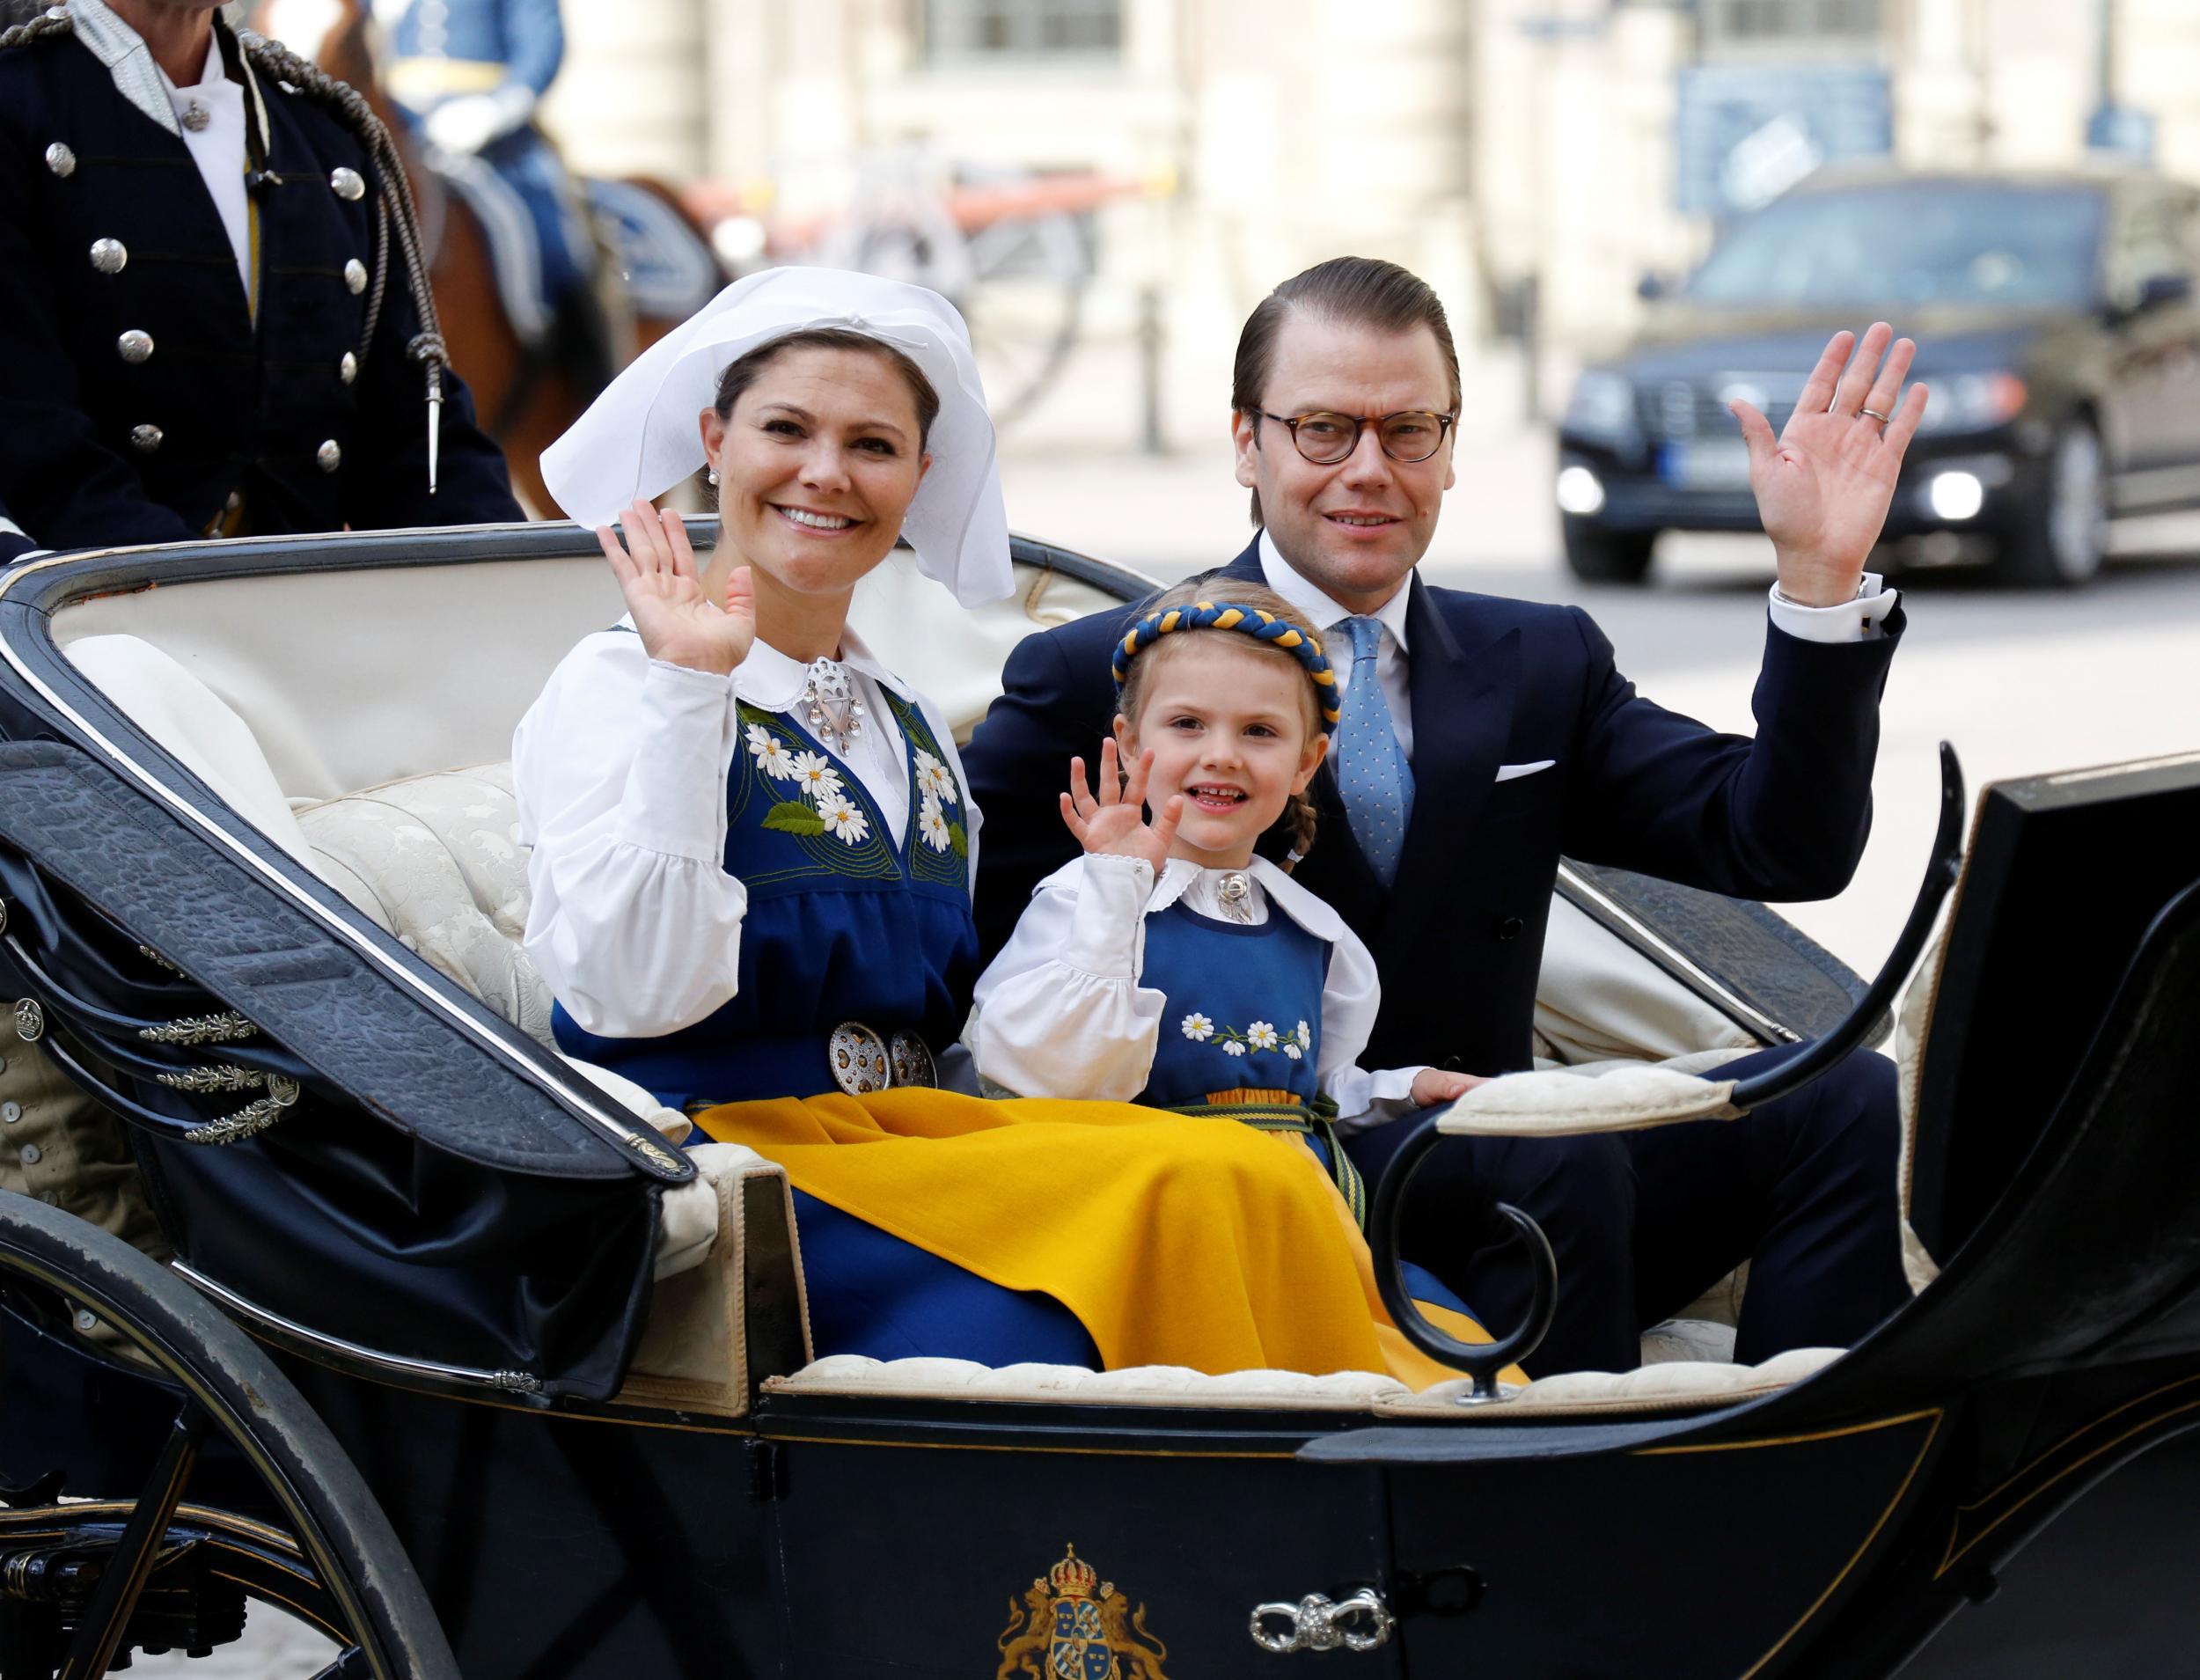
{"x":1506,"y":737}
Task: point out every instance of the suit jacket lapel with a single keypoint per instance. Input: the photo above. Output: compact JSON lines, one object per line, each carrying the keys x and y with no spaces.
{"x":1462,"y":693}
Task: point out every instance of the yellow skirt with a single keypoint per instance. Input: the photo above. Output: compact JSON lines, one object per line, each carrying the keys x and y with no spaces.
{"x":1174,"y":1239}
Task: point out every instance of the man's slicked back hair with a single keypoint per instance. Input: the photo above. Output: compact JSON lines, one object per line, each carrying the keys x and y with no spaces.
{"x":1352,"y":291}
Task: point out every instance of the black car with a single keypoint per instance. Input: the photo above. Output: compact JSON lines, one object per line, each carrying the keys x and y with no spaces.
{"x":2055,"y":324}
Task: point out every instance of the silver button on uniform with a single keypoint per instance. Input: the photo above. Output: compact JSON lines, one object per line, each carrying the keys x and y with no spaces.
{"x":11,"y":1113}
{"x":347,"y":184}
{"x":196,"y":117}
{"x":109,"y":256}
{"x":30,"y":1020}
{"x":355,"y":275}
{"x":61,"y":160}
{"x":32,"y":1155}
{"x":330,"y":455}
{"x":145,"y":439}
{"x":135,"y":346}
{"x":347,"y":370}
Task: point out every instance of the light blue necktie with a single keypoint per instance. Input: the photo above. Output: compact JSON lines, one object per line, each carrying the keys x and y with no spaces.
{"x":1373,"y":777}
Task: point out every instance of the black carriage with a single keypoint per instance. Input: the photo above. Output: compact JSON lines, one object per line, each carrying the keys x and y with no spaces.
{"x":437,"y":1345}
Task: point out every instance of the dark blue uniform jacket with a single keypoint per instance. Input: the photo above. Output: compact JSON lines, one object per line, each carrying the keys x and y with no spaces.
{"x":1458,"y":939}
{"x":97,"y":450}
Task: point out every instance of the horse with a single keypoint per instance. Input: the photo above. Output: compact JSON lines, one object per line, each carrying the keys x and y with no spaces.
{"x":526,"y":391}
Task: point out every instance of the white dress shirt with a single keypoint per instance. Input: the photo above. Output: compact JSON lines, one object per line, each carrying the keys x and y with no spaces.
{"x":219,"y":150}
{"x":1857,"y":620}
{"x":1061,"y":1012}
{"x":620,"y":768}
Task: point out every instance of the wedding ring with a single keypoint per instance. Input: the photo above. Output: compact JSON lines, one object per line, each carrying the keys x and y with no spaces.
{"x":1872,"y":413}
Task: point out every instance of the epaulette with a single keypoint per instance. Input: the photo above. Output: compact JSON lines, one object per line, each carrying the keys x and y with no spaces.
{"x":50,"y":25}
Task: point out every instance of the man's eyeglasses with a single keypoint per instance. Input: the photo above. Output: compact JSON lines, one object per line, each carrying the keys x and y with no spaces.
{"x":1325,"y":438}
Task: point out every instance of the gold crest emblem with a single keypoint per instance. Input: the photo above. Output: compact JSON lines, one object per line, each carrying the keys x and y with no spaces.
{"x":1072,"y":1625}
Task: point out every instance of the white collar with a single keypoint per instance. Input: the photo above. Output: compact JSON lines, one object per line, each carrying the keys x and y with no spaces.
{"x":1284,"y":894}
{"x":773,"y":681}
{"x":1322,"y":612}
{"x":129,"y":60}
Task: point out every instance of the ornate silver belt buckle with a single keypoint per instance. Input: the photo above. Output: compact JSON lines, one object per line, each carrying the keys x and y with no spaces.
{"x":859,"y":1060}
{"x":911,"y":1059}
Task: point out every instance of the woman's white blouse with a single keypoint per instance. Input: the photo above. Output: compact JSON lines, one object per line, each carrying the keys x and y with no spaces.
{"x":1060,"y":1012}
{"x":620,"y":769}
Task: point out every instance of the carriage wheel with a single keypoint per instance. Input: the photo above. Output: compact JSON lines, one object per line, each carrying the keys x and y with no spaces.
{"x":84,"y":1580}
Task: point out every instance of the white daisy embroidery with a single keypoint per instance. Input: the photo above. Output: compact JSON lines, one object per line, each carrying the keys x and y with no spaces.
{"x":932,"y":825}
{"x":1292,"y":1051}
{"x":1305,"y":1037}
{"x":1197,"y":1028}
{"x":770,"y":753}
{"x":935,"y":778}
{"x":1233,"y":1048}
{"x":819,"y":780}
{"x":1261,"y":1035}
{"x":842,"y":818}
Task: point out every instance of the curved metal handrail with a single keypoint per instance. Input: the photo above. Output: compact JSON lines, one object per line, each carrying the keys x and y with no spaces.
{"x":1480,"y":1362}
{"x":1807,"y":1060}
{"x":1788,"y":1075}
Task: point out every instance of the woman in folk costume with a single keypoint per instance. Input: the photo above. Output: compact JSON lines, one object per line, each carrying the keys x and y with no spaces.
{"x":752,"y":851}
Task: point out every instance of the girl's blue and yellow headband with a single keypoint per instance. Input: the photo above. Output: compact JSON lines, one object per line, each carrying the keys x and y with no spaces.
{"x":1247,"y":620}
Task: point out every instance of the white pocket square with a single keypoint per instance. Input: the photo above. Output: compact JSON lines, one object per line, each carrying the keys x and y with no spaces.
{"x":1512,"y":772}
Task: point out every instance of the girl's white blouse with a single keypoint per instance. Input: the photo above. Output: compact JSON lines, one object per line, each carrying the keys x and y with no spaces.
{"x":620,"y":769}
{"x":1060,"y":1012}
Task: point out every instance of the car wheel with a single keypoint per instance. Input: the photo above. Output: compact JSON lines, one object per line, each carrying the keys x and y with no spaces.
{"x":1596,"y":555}
{"x":2066,"y":539}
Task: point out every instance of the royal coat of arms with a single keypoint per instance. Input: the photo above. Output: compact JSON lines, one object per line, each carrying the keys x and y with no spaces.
{"x":1072,"y":1625}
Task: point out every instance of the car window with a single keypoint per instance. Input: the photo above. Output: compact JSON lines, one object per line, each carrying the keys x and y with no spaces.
{"x":2154,"y":241}
{"x":1913,"y":243}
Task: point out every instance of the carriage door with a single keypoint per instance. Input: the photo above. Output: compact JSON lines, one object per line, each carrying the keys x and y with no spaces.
{"x":1126,"y":1554}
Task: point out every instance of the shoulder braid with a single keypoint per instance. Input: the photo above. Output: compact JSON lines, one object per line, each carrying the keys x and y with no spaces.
{"x":393,"y":197}
{"x":50,"y":25}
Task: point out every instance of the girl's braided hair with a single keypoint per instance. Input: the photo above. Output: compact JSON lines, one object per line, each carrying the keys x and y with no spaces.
{"x":1299,"y":818}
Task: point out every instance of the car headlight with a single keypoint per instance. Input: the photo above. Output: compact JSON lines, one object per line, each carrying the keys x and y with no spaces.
{"x":1973,"y":402}
{"x":1602,"y":405}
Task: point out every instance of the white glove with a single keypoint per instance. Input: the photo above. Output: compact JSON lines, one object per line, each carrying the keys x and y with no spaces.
{"x":472,"y":121}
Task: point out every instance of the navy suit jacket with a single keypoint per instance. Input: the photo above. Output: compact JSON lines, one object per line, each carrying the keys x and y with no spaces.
{"x":1458,"y":939}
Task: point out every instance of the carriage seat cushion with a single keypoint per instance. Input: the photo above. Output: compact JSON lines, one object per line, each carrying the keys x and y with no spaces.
{"x":1666,"y":1387}
{"x":437,"y":861}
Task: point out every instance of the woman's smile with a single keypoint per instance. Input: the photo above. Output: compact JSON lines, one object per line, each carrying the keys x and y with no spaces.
{"x":813,"y":519}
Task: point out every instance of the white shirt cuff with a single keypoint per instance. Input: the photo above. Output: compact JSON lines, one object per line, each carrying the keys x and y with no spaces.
{"x":1107,"y":932}
{"x":676,"y":788}
{"x":1856,"y":620}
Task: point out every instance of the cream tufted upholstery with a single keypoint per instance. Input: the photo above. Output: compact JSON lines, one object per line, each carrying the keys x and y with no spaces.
{"x":437,"y":861}
{"x":1670,"y":1386}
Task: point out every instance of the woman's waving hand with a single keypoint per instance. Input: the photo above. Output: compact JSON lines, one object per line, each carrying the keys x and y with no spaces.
{"x":678,"y":621}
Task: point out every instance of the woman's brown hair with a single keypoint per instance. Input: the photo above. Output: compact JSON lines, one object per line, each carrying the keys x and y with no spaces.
{"x":1299,"y":816}
{"x":744,"y":370}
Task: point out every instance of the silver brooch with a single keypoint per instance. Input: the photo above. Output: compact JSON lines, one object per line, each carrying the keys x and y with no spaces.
{"x":194,"y":116}
{"x":830,"y":704}
{"x":1234,"y":896}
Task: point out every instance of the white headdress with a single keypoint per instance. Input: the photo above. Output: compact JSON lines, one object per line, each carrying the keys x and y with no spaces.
{"x":640,"y":437}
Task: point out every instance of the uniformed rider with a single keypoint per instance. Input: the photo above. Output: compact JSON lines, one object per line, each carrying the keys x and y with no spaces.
{"x":213,"y":315}
{"x":470,"y":74}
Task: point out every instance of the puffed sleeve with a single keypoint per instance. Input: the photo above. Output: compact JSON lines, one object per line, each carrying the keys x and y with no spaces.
{"x":1349,"y":1001}
{"x":620,"y":770}
{"x":1060,"y":1012}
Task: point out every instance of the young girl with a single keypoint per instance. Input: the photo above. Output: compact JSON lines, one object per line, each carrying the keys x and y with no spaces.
{"x":1171,"y":966}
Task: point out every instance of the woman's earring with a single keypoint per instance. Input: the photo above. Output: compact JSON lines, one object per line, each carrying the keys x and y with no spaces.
{"x":711,"y":473}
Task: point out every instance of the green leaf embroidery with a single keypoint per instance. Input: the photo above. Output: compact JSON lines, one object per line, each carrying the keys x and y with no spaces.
{"x":958,"y":839}
{"x":794,"y":817}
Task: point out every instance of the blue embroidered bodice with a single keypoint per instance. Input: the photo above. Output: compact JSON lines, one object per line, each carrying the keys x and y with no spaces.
{"x":845,"y":923}
{"x":1244,"y":1016}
